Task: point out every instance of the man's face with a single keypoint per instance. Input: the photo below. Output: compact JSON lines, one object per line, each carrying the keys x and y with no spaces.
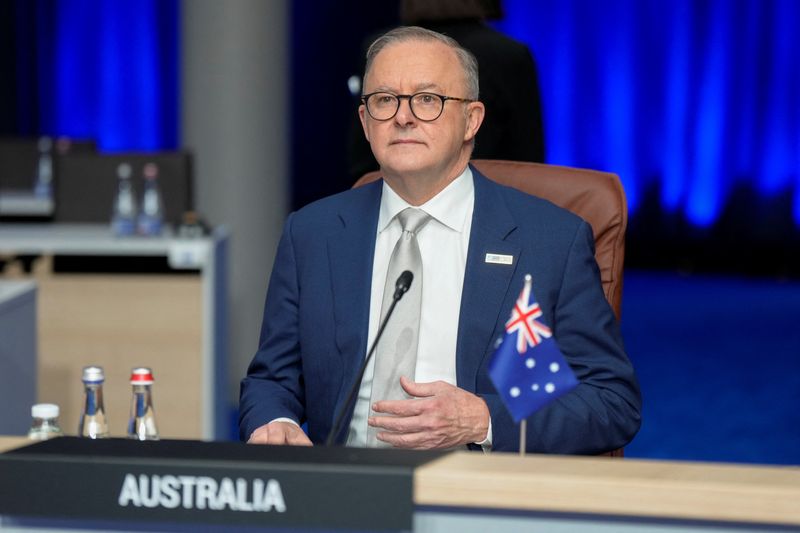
{"x":405,"y":145}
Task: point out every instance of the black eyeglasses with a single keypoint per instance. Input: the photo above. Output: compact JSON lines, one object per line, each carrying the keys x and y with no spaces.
{"x":425,"y":106}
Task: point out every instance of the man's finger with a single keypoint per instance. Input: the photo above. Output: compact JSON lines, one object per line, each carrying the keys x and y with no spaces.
{"x":399,"y":407}
{"x":419,"y":390}
{"x":258,"y":436}
{"x":298,"y":438}
{"x":396,"y":424}
{"x":279,"y":433}
{"x":404,"y":440}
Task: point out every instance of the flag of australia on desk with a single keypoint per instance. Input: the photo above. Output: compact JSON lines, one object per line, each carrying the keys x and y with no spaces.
{"x":528,"y":369}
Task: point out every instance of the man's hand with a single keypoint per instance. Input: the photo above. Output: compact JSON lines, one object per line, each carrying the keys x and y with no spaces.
{"x":279,"y":433}
{"x":440,"y":416}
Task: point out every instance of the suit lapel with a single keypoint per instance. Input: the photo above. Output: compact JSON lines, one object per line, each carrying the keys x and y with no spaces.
{"x":485,"y":284}
{"x":350,"y":252}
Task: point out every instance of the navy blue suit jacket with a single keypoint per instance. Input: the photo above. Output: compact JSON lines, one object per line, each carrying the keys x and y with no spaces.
{"x":314,"y":332}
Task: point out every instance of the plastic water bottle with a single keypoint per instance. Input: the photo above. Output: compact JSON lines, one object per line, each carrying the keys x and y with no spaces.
{"x":93,"y":422}
{"x":44,"y":171}
{"x":123,"y":219}
{"x":151,"y":218}
{"x":142,"y":424}
{"x":45,"y":422}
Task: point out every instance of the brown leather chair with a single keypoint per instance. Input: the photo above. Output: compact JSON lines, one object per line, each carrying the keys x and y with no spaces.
{"x":597,"y":197}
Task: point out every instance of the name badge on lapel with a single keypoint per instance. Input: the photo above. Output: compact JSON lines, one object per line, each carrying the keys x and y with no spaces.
{"x":500,"y":259}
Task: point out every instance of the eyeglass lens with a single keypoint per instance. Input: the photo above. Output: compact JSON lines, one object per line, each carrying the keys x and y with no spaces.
{"x":425,"y":106}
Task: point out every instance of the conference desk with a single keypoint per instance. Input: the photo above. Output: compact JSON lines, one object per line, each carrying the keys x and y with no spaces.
{"x":172,"y":319}
{"x":108,"y":485}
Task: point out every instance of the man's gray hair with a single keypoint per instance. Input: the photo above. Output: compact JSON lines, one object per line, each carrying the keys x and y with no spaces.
{"x":415,"y":33}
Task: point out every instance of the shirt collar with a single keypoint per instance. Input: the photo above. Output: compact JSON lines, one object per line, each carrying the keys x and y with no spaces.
{"x":450,"y":207}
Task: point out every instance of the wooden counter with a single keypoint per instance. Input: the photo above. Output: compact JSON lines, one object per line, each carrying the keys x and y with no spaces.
{"x":9,"y":443}
{"x":663,"y":489}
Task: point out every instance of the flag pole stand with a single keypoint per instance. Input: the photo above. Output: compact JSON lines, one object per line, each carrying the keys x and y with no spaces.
{"x":523,"y":431}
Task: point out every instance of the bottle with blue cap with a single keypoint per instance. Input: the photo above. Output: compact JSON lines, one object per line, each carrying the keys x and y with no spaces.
{"x":123,"y":217}
{"x":43,"y":188}
{"x":93,"y":424}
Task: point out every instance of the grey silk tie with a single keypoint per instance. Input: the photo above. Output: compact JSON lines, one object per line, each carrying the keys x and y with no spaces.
{"x":396,"y":354}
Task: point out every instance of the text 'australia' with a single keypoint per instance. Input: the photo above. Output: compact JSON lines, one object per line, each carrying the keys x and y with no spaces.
{"x":201,"y":492}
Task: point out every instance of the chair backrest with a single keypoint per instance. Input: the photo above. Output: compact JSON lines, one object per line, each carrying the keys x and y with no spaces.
{"x":595,"y":196}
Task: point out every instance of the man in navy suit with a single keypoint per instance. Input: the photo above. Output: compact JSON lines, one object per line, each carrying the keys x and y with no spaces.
{"x":420,"y":113}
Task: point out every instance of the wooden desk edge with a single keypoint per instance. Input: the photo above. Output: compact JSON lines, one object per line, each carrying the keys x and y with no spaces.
{"x":10,"y":442}
{"x":663,"y":489}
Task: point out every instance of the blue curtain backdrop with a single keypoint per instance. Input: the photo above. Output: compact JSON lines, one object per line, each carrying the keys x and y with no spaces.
{"x":100,"y":69}
{"x":693,"y":98}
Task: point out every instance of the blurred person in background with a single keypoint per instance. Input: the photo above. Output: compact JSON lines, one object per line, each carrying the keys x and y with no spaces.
{"x":509,"y":85}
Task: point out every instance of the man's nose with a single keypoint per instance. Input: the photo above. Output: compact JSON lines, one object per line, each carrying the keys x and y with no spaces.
{"x":404,"y":115}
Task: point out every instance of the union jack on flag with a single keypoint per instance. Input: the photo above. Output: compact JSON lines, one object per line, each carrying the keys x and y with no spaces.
{"x":523,"y":321}
{"x":527,"y":369}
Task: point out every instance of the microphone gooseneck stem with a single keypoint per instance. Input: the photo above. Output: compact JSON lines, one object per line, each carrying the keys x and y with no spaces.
{"x":337,"y":425}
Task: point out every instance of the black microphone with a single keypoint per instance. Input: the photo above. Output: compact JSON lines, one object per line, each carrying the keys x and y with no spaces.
{"x":401,"y":286}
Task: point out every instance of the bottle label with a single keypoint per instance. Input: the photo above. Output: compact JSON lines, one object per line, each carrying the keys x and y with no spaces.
{"x":149,"y":225}
{"x":123,"y":226}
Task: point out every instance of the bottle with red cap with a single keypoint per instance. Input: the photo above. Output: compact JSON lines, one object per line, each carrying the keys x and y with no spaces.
{"x":151,"y":217}
{"x":142,"y":425}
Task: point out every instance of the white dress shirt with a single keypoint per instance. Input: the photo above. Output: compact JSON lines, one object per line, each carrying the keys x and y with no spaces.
{"x":443,"y":243}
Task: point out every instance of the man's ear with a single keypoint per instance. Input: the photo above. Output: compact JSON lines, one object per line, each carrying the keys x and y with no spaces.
{"x":362,"y":110}
{"x":475,"y":113}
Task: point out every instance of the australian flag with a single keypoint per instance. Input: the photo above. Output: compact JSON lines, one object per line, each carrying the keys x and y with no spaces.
{"x":528,"y":369}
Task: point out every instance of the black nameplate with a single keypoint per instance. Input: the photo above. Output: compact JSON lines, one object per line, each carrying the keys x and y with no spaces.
{"x":211,"y":483}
